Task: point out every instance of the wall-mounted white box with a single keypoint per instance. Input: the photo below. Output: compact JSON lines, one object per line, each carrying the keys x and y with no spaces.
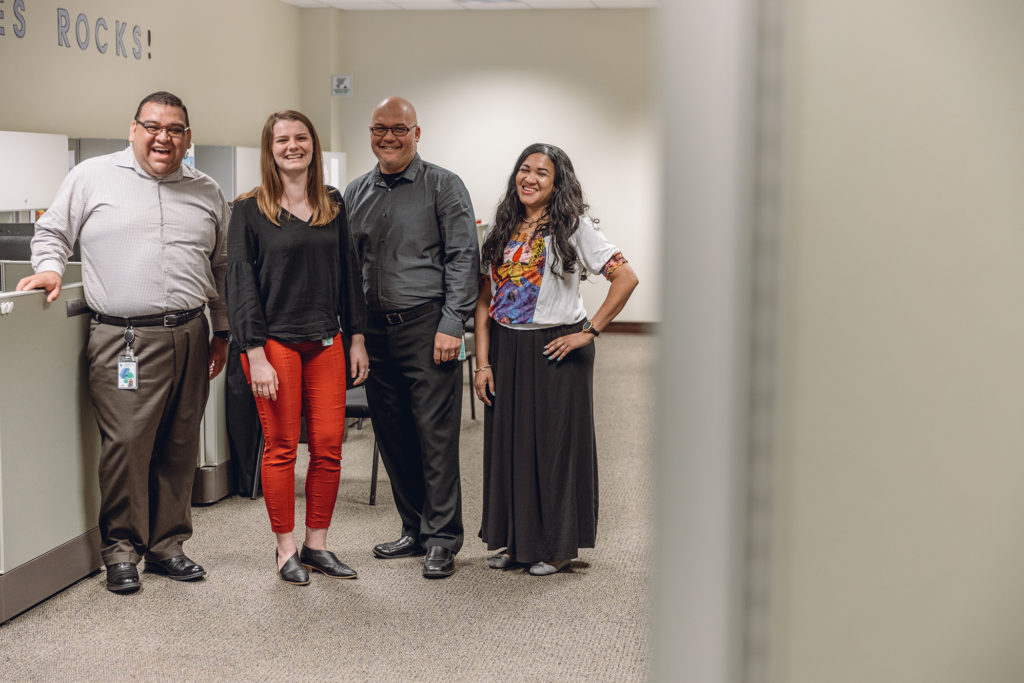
{"x":32,"y":166}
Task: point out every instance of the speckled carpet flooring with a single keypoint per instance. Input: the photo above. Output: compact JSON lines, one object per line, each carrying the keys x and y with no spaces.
{"x":243,"y":623}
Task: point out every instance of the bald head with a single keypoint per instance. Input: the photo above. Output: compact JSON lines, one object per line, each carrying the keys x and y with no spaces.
{"x":395,"y":105}
{"x":394,"y":152}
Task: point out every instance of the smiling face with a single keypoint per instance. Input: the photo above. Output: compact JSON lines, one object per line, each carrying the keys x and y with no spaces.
{"x":292,"y":147}
{"x":535,"y":182}
{"x":393,"y":152}
{"x":159,"y":155}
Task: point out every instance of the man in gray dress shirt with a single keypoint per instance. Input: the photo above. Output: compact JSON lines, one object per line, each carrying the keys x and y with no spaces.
{"x":153,"y":242}
{"x":415,"y":235}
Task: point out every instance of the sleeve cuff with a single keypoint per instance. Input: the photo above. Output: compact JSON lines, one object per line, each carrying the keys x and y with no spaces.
{"x":51,"y":264}
{"x":450,"y":327}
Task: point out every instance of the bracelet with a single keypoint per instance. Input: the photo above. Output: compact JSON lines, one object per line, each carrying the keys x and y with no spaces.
{"x":485,"y":367}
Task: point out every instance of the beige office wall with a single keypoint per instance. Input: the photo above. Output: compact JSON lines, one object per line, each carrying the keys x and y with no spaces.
{"x":900,"y":499}
{"x":231,"y":61}
{"x":487,"y":84}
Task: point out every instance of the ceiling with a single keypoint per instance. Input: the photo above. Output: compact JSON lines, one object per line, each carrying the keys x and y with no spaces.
{"x":473,"y":4}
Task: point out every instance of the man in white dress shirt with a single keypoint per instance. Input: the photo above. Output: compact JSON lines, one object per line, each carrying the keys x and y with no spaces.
{"x":152,"y":234}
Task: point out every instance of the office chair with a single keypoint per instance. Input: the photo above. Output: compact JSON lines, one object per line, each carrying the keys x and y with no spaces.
{"x":357,"y":407}
{"x":468,"y":363}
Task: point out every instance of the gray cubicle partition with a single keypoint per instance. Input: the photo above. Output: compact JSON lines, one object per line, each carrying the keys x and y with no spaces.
{"x":49,"y":444}
{"x":49,"y":449}
{"x":12,"y":271}
{"x":213,"y":479}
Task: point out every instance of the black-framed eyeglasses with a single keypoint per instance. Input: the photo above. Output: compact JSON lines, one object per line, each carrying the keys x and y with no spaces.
{"x":175,"y":131}
{"x":399,"y":131}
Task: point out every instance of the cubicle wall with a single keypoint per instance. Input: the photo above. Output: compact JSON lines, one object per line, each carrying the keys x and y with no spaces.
{"x":49,"y":449}
{"x":49,"y":443}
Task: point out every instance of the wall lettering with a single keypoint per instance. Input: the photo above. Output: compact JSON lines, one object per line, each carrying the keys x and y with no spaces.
{"x":89,"y":33}
{"x":18,"y":10}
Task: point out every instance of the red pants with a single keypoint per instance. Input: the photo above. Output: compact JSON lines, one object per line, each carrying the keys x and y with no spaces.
{"x":311,"y":381}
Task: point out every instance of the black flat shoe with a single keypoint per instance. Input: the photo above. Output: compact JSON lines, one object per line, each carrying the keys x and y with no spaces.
{"x":293,"y":572}
{"x":325,"y":562}
{"x":179,"y":568}
{"x":439,"y":562}
{"x":406,"y":546}
{"x":123,"y":577}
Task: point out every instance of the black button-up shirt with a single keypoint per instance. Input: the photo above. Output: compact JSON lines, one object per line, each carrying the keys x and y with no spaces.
{"x":416,"y":241}
{"x":291,"y":282}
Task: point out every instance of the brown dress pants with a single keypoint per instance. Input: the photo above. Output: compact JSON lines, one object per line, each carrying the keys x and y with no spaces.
{"x":149,"y":437}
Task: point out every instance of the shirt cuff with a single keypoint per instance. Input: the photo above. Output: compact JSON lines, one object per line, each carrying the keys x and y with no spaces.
{"x":450,"y":327}
{"x":51,"y":264}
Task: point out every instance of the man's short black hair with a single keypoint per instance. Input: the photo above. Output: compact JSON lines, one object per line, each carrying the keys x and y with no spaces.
{"x":166,"y":99}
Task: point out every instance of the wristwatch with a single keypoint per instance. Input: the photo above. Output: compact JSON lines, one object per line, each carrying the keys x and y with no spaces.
{"x":589,"y":327}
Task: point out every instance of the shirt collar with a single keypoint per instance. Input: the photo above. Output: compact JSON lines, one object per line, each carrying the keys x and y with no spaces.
{"x":410,"y":173}
{"x":126,"y":159}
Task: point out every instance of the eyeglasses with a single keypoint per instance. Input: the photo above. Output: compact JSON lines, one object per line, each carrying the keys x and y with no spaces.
{"x":399,"y":131}
{"x":174,"y":131}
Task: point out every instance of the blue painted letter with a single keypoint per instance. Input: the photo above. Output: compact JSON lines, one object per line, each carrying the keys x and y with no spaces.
{"x":81,"y":21}
{"x":19,"y":7}
{"x":119,"y":38}
{"x":102,"y":47}
{"x":137,"y":37}
{"x":63,"y":24}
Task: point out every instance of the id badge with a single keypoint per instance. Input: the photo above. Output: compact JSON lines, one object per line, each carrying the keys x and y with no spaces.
{"x":127,"y":373}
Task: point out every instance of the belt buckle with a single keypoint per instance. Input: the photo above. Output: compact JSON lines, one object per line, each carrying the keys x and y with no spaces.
{"x":393,"y":318}
{"x":172,"y":319}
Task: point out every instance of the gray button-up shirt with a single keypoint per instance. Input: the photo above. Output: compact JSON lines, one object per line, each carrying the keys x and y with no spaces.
{"x":416,"y":241}
{"x":149,"y":245}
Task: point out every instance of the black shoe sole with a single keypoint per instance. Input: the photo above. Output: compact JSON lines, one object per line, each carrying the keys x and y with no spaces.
{"x":314,"y":568}
{"x":172,"y":577}
{"x":411,"y":553}
{"x":124,"y":588}
{"x":438,"y":575}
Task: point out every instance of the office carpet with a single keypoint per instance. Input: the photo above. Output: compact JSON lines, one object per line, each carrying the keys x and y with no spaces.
{"x":243,"y":623}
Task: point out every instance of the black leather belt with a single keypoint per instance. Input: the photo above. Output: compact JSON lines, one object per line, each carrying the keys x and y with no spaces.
{"x":399,"y":317}
{"x":172,"y":319}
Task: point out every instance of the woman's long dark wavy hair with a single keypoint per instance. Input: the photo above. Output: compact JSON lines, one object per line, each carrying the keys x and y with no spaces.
{"x":564,"y":210}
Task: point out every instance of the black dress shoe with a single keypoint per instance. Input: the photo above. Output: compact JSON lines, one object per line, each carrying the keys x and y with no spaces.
{"x":325,"y":562}
{"x":293,"y":572}
{"x":179,"y":568}
{"x":123,"y":577}
{"x":439,"y":562}
{"x":406,"y":546}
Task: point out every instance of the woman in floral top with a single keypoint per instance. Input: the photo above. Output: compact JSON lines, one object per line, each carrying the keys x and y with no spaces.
{"x":536,"y":342}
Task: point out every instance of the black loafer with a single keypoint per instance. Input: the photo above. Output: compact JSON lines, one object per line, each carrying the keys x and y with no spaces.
{"x":439,"y":562}
{"x":325,"y":562}
{"x":123,"y":577}
{"x":293,"y":572}
{"x":406,"y":546}
{"x":179,"y":568}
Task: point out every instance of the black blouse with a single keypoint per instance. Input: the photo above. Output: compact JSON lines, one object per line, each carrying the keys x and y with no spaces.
{"x":292,"y":282}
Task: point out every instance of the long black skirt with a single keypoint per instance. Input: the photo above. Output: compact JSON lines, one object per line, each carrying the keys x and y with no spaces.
{"x":540,"y":452}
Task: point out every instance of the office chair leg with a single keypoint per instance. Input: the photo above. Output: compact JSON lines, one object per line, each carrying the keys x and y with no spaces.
{"x":373,"y":476}
{"x":257,"y":471}
{"x":472,"y":392}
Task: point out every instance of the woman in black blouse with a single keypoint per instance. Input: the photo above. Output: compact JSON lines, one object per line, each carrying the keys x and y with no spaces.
{"x":291,"y":278}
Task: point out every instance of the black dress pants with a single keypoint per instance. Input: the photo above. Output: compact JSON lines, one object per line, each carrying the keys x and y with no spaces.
{"x":416,"y":410}
{"x":245,"y":436}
